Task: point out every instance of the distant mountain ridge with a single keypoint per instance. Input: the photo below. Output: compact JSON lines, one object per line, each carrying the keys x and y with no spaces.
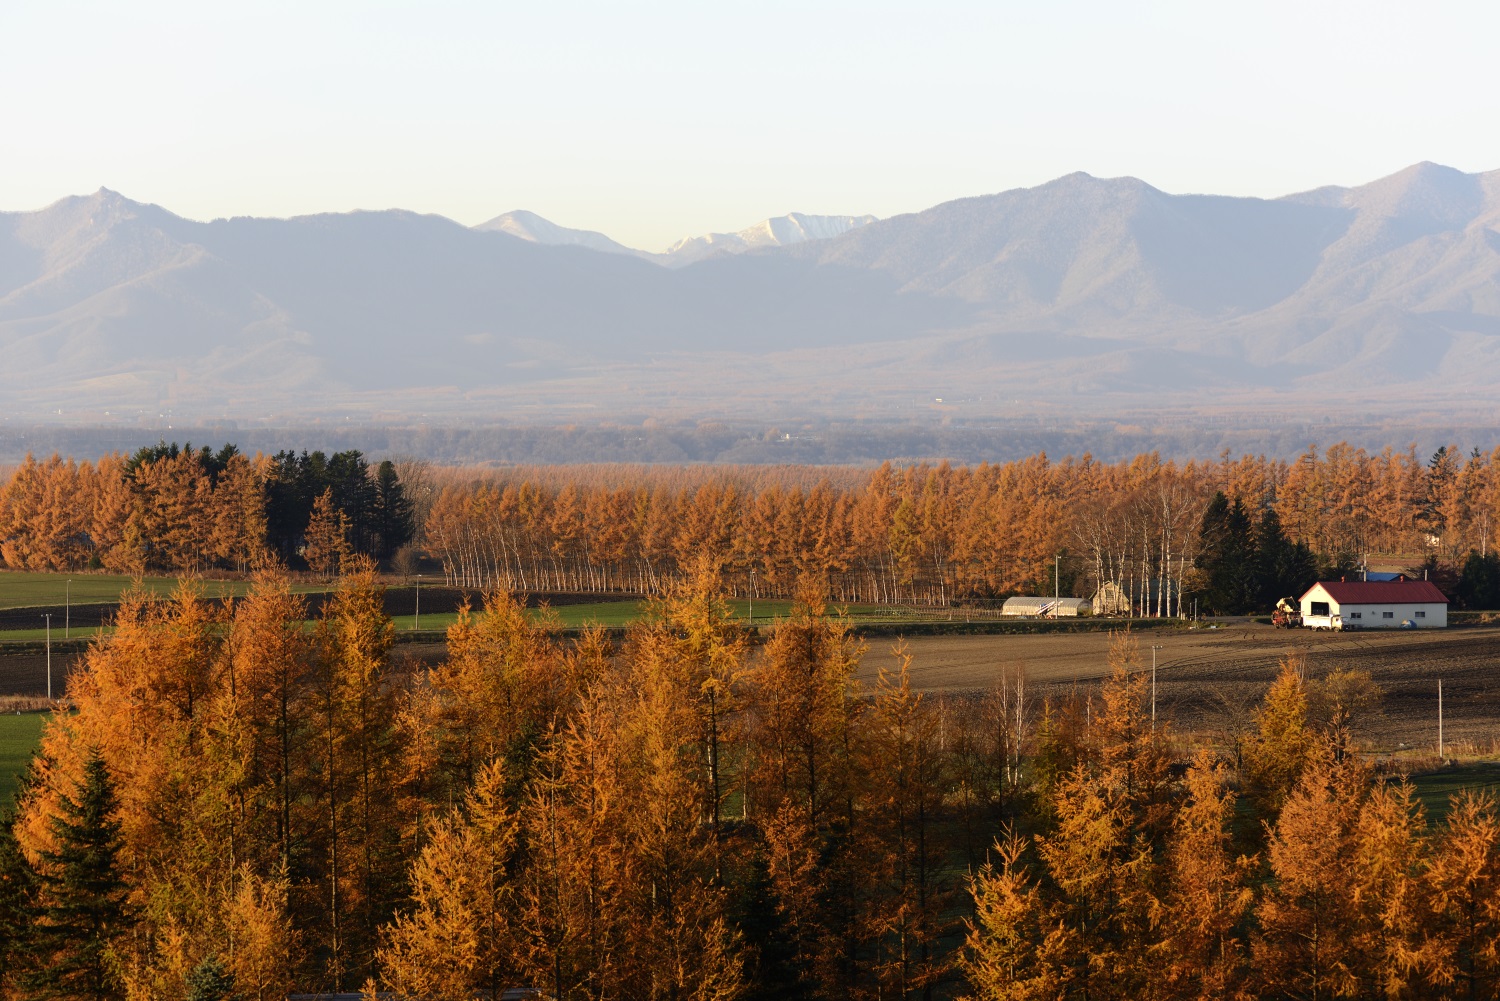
{"x":782,"y":231}
{"x":1104,"y":295}
{"x":533,"y":228}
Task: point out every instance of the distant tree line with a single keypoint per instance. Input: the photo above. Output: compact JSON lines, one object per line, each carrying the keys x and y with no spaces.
{"x":167,"y":508}
{"x":1228,"y":536}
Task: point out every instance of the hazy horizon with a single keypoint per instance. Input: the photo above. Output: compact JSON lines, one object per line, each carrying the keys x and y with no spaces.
{"x":650,"y":125}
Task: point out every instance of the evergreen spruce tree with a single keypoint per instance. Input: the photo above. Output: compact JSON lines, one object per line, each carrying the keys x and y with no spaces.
{"x":18,"y":886}
{"x":210,"y":981}
{"x":83,"y":909}
{"x":355,"y":496}
{"x":1226,"y":557}
{"x":1281,"y":567}
{"x":395,"y":520}
{"x":1479,"y":587}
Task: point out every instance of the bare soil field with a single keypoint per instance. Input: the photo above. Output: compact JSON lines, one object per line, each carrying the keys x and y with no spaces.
{"x":24,"y":671}
{"x":1206,"y":677}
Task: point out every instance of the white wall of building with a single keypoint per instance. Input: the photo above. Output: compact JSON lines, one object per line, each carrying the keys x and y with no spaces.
{"x":1427,"y":615}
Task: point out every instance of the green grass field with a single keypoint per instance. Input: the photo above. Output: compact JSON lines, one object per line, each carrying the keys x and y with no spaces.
{"x":19,"y":589}
{"x":39,"y":635}
{"x":25,"y":590}
{"x":1434,"y":788}
{"x":30,"y":590}
{"x":19,"y":735}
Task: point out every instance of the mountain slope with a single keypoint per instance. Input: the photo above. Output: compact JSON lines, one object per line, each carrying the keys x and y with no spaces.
{"x":783,"y":231}
{"x":102,"y":291}
{"x":1100,"y":294}
{"x":533,"y":228}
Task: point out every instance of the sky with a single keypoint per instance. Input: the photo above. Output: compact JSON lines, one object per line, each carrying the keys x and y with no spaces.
{"x":654,"y":121}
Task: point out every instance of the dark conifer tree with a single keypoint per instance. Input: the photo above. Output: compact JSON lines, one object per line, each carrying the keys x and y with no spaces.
{"x":296,"y":484}
{"x":1281,"y":568}
{"x":82,"y":907}
{"x":396,"y":523}
{"x":1226,"y":557}
{"x":1479,"y":586}
{"x":18,"y":888}
{"x":354,"y":494}
{"x":210,"y":981}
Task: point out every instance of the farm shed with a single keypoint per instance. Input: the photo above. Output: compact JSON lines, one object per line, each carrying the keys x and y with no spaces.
{"x":1374,"y":604}
{"x":1111,"y":599}
{"x":1027,"y":607}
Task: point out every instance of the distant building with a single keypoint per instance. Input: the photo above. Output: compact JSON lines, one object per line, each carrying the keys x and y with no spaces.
{"x":1372,"y":604}
{"x":1111,"y":599}
{"x":1025,"y":607}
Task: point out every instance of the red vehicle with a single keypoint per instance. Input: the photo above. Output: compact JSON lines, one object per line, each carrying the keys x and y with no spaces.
{"x":1287,"y":615}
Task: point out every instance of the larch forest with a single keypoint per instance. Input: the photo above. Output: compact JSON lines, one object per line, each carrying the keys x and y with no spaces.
{"x":237,"y":803}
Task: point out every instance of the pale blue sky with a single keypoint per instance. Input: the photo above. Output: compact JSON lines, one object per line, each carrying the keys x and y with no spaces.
{"x":651,"y":121}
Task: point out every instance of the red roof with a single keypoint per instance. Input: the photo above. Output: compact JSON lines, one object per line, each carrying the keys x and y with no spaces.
{"x":1382,"y":592}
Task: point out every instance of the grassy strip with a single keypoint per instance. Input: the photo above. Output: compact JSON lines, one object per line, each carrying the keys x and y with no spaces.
{"x":1436,"y":787}
{"x":20,"y":733}
{"x":26,"y":589}
{"x":22,"y":589}
{"x":868,"y":620}
{"x":44,"y":590}
{"x":78,"y":639}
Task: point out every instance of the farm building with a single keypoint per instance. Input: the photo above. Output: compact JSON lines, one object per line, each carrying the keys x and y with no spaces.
{"x":1044,"y":607}
{"x":1111,"y":599}
{"x":1374,"y":604}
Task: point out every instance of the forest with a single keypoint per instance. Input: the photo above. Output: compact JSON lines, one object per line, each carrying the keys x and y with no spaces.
{"x":175,"y":509}
{"x":236,"y":806}
{"x":1230,"y":536}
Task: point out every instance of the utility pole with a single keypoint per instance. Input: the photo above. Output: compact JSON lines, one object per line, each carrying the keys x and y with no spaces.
{"x":1056,"y":589}
{"x":67,"y":609}
{"x":416,"y":619}
{"x":752,"y":596}
{"x":1440,"y":719}
{"x":48,"y":617}
{"x":1153,"y":686}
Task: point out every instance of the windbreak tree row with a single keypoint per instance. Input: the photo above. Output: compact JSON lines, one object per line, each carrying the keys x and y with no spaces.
{"x":1149,"y":537}
{"x":1150,"y":530}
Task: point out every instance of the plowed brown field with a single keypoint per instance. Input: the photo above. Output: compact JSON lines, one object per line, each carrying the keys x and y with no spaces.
{"x":1206,"y":675}
{"x":1206,"y":678}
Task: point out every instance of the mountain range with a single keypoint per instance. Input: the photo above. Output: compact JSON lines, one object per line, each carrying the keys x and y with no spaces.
{"x":782,"y":231}
{"x":1105,"y":296}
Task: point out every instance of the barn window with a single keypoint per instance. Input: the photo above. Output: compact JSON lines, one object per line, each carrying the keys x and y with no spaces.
{"x":1421,"y":615}
{"x":1319,"y":608}
{"x":1356,"y":615}
{"x":1387,"y":615}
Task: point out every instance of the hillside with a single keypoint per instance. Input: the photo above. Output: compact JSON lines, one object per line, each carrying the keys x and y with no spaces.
{"x":1083,"y":293}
